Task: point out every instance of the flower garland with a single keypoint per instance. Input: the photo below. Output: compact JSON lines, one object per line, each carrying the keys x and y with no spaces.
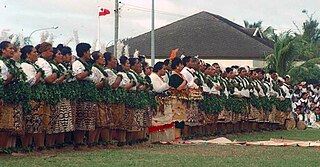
{"x":59,"y":71}
{"x":17,"y":72}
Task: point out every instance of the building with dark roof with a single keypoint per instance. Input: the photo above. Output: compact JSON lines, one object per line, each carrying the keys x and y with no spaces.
{"x":210,"y":36}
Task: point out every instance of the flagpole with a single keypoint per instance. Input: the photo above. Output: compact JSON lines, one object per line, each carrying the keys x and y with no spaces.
{"x":152,"y":36}
{"x":116,"y":27}
{"x":98,"y":33}
{"x":98,"y":43}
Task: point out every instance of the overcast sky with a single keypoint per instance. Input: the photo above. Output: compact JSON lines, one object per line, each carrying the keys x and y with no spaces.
{"x":24,"y":16}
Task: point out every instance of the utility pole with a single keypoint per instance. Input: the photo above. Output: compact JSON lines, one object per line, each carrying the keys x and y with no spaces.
{"x":152,"y":36}
{"x":116,"y":27}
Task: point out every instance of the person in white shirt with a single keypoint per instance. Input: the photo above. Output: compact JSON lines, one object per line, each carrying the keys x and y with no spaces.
{"x":114,"y":80}
{"x":100,"y":78}
{"x":285,"y":90}
{"x":168,"y":71}
{"x":6,"y":52}
{"x":188,"y":72}
{"x":159,"y":85}
{"x":243,"y":81}
{"x":29,"y":56}
{"x":50,"y":77}
{"x":98,"y":69}
{"x":56,"y":60}
{"x":33,"y":76}
{"x":303,"y":101}
{"x":46,"y":52}
{"x":135,"y":70}
{"x":126,"y":82}
{"x":67,"y":61}
{"x":312,"y":119}
{"x":85,"y":112}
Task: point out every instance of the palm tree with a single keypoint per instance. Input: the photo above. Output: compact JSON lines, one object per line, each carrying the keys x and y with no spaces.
{"x":308,"y":42}
{"x":254,"y":25}
{"x":311,"y":32}
{"x":284,"y":53}
{"x":267,"y":33}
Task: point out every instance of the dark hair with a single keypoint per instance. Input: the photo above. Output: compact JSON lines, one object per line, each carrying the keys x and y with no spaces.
{"x":141,"y":57}
{"x":132,"y":61}
{"x":60,"y":47}
{"x":95,"y":56}
{"x":272,"y":71}
{"x":259,"y":70}
{"x":207,"y":65}
{"x":66,"y":50}
{"x":26,"y":50}
{"x":123,"y":60}
{"x":166,"y":62}
{"x":82,"y":48}
{"x":304,"y":93}
{"x":241,"y":68}
{"x":299,"y":107}
{"x":55,"y":51}
{"x":44,"y":46}
{"x":175,"y":62}
{"x":144,"y":65}
{"x":214,"y":64}
{"x":37,"y":48}
{"x":4,"y":45}
{"x":297,"y":91}
{"x":229,"y":69}
{"x":107,"y":57}
{"x":158,"y":66}
{"x":235,"y":66}
{"x":185,"y":60}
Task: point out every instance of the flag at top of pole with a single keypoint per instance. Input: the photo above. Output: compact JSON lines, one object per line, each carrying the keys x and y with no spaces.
{"x":103,"y":12}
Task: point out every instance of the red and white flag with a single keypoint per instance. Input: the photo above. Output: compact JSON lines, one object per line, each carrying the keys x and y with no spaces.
{"x":103,"y":11}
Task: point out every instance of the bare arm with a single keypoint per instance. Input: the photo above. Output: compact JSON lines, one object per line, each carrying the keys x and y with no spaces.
{"x":82,"y":75}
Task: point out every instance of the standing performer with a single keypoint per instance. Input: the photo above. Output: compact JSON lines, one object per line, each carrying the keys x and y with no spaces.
{"x":33,"y":77}
{"x":162,"y":126}
{"x":50,"y":76}
{"x":101,"y":81}
{"x":10,"y":109}
{"x":114,"y":81}
{"x":85,"y":109}
{"x":62,"y":121}
{"x":179,"y":84}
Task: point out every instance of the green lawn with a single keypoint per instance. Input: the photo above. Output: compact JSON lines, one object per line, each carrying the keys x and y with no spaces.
{"x":187,"y":155}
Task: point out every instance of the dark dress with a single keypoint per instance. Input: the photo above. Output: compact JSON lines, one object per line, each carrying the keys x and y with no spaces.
{"x":175,"y":80}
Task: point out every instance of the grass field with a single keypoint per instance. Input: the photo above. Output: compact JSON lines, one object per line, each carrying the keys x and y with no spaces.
{"x":186,"y":155}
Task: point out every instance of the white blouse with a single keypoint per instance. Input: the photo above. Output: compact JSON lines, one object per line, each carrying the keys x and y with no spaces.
{"x":98,"y":75}
{"x":159,"y":85}
{"x":30,"y":72}
{"x":188,"y":74}
{"x":45,"y":66}
{"x":78,"y":67}
{"x":4,"y":70}
{"x":125,"y":79}
{"x":111,"y":76}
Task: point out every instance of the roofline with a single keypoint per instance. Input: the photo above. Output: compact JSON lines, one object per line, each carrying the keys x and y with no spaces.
{"x":240,"y":28}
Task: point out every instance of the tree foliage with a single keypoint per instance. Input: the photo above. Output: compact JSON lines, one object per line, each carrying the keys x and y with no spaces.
{"x":284,"y":53}
{"x":267,"y":32}
{"x":310,"y":70}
